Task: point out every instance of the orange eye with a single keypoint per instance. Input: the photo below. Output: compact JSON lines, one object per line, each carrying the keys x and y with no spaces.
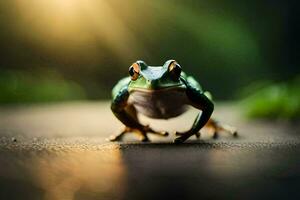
{"x":134,"y":70}
{"x":175,"y":70}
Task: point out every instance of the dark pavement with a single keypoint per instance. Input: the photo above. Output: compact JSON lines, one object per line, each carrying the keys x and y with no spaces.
{"x":59,"y":151}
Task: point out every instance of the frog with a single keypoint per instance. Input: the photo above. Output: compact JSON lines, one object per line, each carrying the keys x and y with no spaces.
{"x":162,"y":92}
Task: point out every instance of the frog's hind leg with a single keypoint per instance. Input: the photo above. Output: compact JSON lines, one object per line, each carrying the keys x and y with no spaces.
{"x":131,"y":111}
{"x":215,"y":127}
{"x":147,"y":129}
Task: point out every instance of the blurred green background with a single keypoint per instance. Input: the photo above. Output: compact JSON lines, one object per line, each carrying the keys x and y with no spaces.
{"x":55,"y":50}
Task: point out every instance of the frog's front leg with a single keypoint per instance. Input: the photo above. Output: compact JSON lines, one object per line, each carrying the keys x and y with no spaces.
{"x":128,"y":116}
{"x":200,"y":101}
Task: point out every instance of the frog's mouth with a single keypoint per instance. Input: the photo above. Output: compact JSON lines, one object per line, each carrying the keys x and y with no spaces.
{"x":178,"y":88}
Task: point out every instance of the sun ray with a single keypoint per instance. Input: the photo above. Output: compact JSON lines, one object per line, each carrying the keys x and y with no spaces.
{"x":63,"y":24}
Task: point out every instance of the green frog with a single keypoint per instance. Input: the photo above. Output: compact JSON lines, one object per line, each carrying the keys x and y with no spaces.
{"x":162,"y":92}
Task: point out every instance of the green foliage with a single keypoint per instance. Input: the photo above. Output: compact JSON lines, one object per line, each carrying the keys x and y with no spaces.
{"x":223,"y":44}
{"x":273,"y":101}
{"x":25,"y":87}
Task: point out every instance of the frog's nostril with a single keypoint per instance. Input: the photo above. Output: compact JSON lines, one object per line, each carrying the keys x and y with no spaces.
{"x":151,"y":83}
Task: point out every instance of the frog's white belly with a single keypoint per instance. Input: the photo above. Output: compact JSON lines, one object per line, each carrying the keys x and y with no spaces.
{"x":160,"y":104}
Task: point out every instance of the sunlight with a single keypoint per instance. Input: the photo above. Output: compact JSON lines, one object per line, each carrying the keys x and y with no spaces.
{"x":67,"y":24}
{"x":78,"y":173}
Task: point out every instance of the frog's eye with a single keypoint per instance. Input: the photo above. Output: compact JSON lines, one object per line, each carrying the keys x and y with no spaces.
{"x":175,"y":70}
{"x":134,"y":70}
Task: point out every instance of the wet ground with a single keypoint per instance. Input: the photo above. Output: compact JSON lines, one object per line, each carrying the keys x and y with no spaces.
{"x":59,"y":151}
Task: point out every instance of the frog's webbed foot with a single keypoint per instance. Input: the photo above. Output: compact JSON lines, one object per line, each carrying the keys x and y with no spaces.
{"x":141,"y":132}
{"x":215,"y":127}
{"x":119,"y":136}
{"x":183,"y":136}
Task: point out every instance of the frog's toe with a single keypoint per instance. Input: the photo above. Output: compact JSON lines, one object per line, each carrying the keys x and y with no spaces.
{"x":184,"y":136}
{"x":145,"y":139}
{"x":178,"y":140}
{"x":164,"y":133}
{"x":235,"y":133}
{"x":119,"y":136}
{"x":113,"y":138}
{"x":160,"y":133}
{"x":215,"y":135}
{"x":231,"y":130}
{"x":179,"y":133}
{"x":184,"y":133}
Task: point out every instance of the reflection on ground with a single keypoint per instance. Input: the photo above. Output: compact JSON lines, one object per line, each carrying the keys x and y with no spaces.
{"x":62,"y":175}
{"x":194,"y":171}
{"x":152,"y":171}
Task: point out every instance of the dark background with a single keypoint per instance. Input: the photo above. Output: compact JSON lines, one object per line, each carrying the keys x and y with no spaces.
{"x":71,"y":49}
